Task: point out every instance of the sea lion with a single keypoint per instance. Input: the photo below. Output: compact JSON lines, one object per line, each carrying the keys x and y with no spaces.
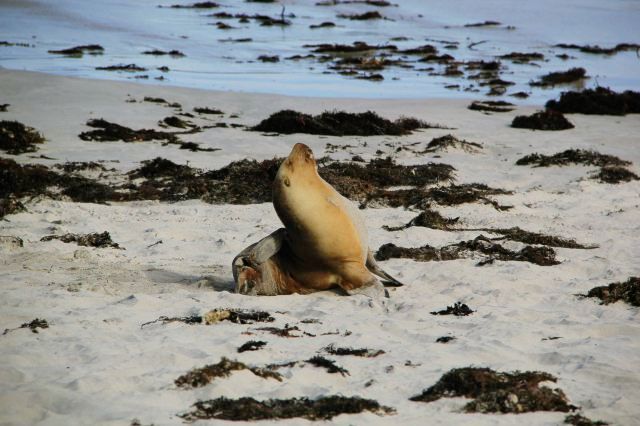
{"x":323,"y":244}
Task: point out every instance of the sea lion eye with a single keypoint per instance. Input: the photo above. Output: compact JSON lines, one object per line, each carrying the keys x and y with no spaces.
{"x":287,"y":182}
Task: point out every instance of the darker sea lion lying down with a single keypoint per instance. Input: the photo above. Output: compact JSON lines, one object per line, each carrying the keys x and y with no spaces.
{"x":323,"y":244}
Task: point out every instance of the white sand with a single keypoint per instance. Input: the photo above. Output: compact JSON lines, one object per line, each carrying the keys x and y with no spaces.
{"x":95,"y":365}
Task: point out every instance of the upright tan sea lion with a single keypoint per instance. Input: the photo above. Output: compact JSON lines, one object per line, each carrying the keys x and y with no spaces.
{"x":323,"y":244}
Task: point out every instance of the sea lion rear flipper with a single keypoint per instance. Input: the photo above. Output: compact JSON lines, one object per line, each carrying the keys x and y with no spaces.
{"x":258,"y":253}
{"x":388,"y":280}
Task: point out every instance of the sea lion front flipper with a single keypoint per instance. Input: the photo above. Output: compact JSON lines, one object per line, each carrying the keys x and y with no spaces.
{"x":388,"y":280}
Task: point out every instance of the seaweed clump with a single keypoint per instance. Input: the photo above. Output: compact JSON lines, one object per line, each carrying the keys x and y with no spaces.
{"x":598,"y":101}
{"x":579,"y":420}
{"x":498,"y":392}
{"x":251,"y":345}
{"x":249,"y":409}
{"x":572,"y":156}
{"x":561,"y":77}
{"x":444,"y":195}
{"x":542,"y":120}
{"x":109,"y":132}
{"x":458,"y":309}
{"x":445,"y":142}
{"x":16,"y":138}
{"x":428,"y":219}
{"x":338,"y":123}
{"x":362,"y":352}
{"x":199,"y":377}
{"x":542,"y":256}
{"x":95,"y":239}
{"x":491,"y":106}
{"x":628,"y":291}
{"x":78,"y":51}
{"x":615,"y":174}
{"x":329,"y":365}
{"x":33,"y":325}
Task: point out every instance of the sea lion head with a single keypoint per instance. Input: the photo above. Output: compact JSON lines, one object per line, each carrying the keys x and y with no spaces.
{"x":298,"y":166}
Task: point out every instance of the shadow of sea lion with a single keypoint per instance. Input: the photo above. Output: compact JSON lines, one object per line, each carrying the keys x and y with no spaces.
{"x":208,"y":282}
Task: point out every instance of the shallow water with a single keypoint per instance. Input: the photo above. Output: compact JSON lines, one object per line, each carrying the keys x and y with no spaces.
{"x":127,"y":28}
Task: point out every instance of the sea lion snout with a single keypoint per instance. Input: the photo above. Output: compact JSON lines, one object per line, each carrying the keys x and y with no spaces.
{"x":301,"y":152}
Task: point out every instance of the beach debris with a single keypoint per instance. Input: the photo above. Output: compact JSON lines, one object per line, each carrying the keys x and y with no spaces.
{"x":326,"y":24}
{"x":483,"y":24}
{"x":174,"y":121}
{"x":627,"y":291}
{"x":109,"y":132}
{"x":78,"y":51}
{"x":542,"y":256}
{"x":572,"y":156}
{"x":339,"y":123}
{"x":33,"y":325}
{"x":158,"y":52}
{"x":378,"y":3}
{"x":542,"y":120}
{"x":207,"y":110}
{"x":329,"y":365}
{"x":520,"y":95}
{"x":614,"y":175}
{"x":374,"y":14}
{"x":10,"y":205}
{"x":599,"y":101}
{"x":445,"y":339}
{"x":561,"y":77}
{"x":76,"y":166}
{"x":491,"y":106}
{"x":16,"y":138}
{"x":4,"y":107}
{"x":237,"y":316}
{"x":198,"y":5}
{"x":620,"y":47}
{"x":252,"y":345}
{"x":199,"y":377}
{"x":122,"y":67}
{"x":362,"y":352}
{"x":498,"y":392}
{"x":428,"y":219}
{"x":21,"y":180}
{"x":100,"y":240}
{"x":269,"y":58}
{"x":443,"y":143}
{"x":444,"y":195}
{"x":580,"y":420}
{"x":357,"y":46}
{"x":458,"y":309}
{"x":19,"y":44}
{"x":162,"y":101}
{"x":285,"y":331}
{"x":249,"y":409}
{"x":519,"y":57}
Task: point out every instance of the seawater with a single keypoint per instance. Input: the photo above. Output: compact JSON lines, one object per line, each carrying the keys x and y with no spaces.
{"x":127,"y":28}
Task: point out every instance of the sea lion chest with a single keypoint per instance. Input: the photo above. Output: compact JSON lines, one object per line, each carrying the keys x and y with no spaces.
{"x":319,"y":227}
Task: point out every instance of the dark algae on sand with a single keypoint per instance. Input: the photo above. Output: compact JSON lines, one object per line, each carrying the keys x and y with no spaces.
{"x":100,"y":240}
{"x":16,"y":138}
{"x":627,"y":291}
{"x":599,"y":101}
{"x":249,"y":409}
{"x":612,"y":169}
{"x":199,"y":377}
{"x":542,"y":120}
{"x":498,"y":392}
{"x":33,"y":325}
{"x":338,"y":123}
{"x":542,"y":256}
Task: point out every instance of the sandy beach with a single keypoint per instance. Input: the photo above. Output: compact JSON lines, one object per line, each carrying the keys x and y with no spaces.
{"x":95,"y":364}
